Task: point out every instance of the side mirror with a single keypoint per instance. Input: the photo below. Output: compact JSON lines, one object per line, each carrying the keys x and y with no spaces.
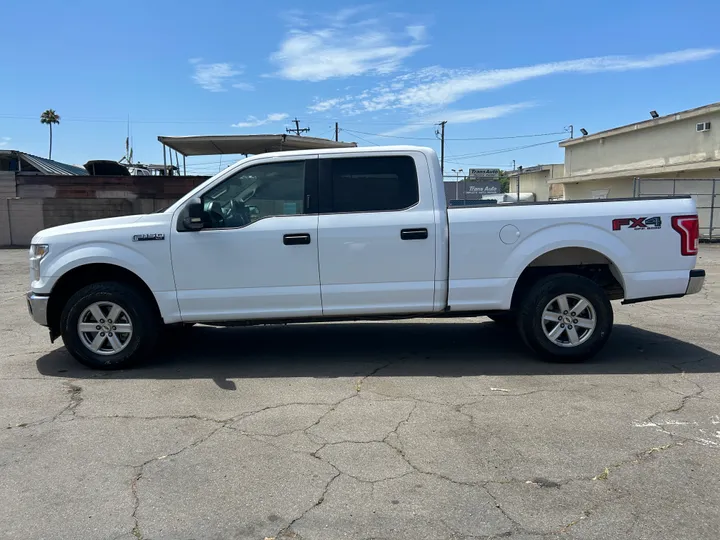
{"x":194,"y":219}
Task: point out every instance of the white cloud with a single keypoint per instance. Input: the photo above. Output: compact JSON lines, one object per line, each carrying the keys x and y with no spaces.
{"x":417,"y":32}
{"x":326,"y":105}
{"x":466,"y":116}
{"x":253,"y":121}
{"x":436,"y":87}
{"x":213,"y":77}
{"x":443,"y":92}
{"x":4,"y":141}
{"x":243,"y":86}
{"x":343,"y":48}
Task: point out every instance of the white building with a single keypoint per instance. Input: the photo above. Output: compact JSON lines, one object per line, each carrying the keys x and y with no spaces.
{"x":679,"y":146}
{"x":537,"y":180}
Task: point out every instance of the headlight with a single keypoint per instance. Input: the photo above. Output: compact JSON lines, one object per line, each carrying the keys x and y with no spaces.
{"x":37,"y":252}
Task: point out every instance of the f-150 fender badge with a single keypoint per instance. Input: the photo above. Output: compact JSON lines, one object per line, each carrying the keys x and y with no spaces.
{"x":638,"y":224}
{"x":147,"y":237}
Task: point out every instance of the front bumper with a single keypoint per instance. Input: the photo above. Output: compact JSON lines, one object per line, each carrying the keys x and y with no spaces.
{"x":697,"y":278}
{"x":37,"y":306}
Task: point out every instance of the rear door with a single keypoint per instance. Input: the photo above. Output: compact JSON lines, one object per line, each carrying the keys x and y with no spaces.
{"x":376,"y":235}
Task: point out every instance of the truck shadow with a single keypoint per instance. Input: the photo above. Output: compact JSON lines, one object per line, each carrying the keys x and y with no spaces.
{"x":420,"y":349}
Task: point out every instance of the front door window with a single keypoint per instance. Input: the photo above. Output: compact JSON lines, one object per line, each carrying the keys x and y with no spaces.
{"x":270,"y":189}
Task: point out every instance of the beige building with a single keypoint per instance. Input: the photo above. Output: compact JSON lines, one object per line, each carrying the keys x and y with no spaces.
{"x":537,"y":180}
{"x":680,"y":146}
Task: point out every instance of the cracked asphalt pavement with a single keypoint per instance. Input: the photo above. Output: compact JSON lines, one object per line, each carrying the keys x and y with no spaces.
{"x":399,"y":430}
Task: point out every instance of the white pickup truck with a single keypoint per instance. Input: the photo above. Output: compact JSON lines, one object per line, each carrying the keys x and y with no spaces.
{"x":356,"y":234}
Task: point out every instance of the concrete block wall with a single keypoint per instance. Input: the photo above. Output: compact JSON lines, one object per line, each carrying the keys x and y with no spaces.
{"x":7,"y":185}
{"x":5,"y":238}
{"x":21,"y":219}
{"x":26,"y":219}
{"x":30,"y":203}
{"x":62,"y":211}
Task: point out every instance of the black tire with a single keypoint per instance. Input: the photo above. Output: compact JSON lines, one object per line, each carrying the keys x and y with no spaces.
{"x":537,"y":298}
{"x":504,"y":319}
{"x":143,"y":316}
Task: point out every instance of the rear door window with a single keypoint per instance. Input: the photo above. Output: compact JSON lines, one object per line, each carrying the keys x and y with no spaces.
{"x":369,"y":184}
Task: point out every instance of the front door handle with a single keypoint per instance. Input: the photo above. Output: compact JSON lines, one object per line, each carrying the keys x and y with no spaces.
{"x":296,"y":239}
{"x":414,"y":234}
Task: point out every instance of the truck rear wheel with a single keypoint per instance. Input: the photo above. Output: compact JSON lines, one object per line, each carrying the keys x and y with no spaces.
{"x":565,"y":318}
{"x":108,"y":325}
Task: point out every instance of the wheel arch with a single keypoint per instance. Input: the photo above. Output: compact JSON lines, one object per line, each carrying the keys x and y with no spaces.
{"x":80,"y":276}
{"x":582,"y":261}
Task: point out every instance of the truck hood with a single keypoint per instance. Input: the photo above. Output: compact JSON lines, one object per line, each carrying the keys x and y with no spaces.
{"x":96,"y":225}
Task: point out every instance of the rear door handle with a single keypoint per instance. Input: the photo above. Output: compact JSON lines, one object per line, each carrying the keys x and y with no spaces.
{"x":414,"y":234}
{"x":296,"y":239}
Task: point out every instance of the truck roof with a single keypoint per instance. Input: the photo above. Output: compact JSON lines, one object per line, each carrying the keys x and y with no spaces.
{"x":345,"y":151}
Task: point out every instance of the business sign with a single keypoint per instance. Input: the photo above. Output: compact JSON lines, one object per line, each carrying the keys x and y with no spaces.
{"x":467,"y":190}
{"x":483,"y":188}
{"x":486,"y":174}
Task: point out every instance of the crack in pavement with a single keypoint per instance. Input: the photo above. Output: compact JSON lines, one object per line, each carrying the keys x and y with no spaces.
{"x":136,"y":530}
{"x":359,"y":383}
{"x":288,"y":530}
{"x":75,"y":400}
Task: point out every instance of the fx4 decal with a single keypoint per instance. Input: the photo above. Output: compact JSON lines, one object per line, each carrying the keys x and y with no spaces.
{"x":641,"y":223}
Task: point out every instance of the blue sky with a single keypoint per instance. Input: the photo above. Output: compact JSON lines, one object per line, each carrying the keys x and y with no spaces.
{"x":386,"y":71}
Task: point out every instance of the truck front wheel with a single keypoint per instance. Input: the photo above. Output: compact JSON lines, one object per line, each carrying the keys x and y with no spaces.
{"x":565,"y":318}
{"x":108,"y":325}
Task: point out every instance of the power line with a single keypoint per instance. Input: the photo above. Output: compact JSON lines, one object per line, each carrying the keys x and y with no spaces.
{"x":117,"y":120}
{"x":213,"y":121}
{"x":503,"y":150}
{"x":361,"y":138}
{"x":459,"y":139}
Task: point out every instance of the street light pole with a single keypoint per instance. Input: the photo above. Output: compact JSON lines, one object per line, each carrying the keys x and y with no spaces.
{"x":457,"y":181}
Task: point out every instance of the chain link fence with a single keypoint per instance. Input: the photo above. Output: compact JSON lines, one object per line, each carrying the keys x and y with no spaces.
{"x":705,"y":192}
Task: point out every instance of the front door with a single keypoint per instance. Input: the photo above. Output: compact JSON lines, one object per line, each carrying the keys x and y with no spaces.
{"x":257,"y":254}
{"x":376,"y":236}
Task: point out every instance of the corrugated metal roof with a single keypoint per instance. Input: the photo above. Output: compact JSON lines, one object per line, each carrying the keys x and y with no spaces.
{"x":46,"y":166}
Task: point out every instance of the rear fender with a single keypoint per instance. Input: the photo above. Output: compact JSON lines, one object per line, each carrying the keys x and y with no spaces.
{"x":570,"y":235}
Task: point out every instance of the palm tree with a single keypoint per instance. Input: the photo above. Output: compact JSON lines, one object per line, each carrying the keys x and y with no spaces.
{"x":50,"y":117}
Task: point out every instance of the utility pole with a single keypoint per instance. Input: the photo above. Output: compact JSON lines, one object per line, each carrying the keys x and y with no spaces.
{"x":518,"y":183}
{"x":571,"y":129}
{"x":442,"y":145}
{"x":337,"y":132}
{"x":297,"y":130}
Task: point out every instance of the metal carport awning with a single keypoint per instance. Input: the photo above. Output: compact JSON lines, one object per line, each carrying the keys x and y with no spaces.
{"x":207,"y":145}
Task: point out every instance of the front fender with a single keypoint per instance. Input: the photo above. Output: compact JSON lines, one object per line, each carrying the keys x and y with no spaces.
{"x":153,"y":268}
{"x":569,"y":235}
